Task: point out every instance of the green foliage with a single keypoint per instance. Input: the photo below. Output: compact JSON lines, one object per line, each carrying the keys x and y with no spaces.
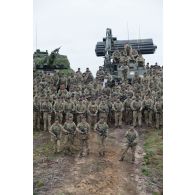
{"x":62,"y":59}
{"x":66,"y":72}
{"x":153,"y":159}
{"x":145,"y":170}
{"x":39,"y":184}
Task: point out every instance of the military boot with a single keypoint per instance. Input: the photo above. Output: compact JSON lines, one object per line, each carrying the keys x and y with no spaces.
{"x":121,"y":159}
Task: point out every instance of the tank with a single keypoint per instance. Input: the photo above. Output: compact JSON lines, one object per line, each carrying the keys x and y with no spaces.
{"x":42,"y":60}
{"x":135,"y":61}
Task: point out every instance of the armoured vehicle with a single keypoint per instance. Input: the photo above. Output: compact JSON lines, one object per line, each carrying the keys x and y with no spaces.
{"x":43,"y":61}
{"x":118,"y":53}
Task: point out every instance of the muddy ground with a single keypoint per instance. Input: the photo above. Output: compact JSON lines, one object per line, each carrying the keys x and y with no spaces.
{"x":59,"y":174}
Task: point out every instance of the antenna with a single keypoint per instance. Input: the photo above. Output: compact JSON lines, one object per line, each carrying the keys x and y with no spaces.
{"x":128,"y":31}
{"x":36,"y":34}
{"x":139,"y":37}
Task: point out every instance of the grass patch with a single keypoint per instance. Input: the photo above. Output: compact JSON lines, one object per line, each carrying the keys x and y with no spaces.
{"x":153,"y":159}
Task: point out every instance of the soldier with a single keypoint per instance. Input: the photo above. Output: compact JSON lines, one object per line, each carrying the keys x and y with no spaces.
{"x":118,"y":109}
{"x":137,"y":115}
{"x":83,"y":130}
{"x":158,"y":108}
{"x":147,"y":107}
{"x":102,"y":132}
{"x":100,"y":74}
{"x":80,"y":110}
{"x":140,"y":60}
{"x":92,"y":113}
{"x":58,"y":109}
{"x":132,"y":140}
{"x":36,"y":113}
{"x":125,"y":70}
{"x":46,"y":108}
{"x":103,"y":110}
{"x":70,"y":131}
{"x":56,"y":132}
{"x":127,"y":108}
{"x":116,"y":56}
{"x":69,"y":107}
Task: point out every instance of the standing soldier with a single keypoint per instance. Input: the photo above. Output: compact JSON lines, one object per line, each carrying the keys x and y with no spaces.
{"x":80,"y":110}
{"x":125,"y":70}
{"x":137,"y":115}
{"x":118,"y":110}
{"x":83,"y":130}
{"x":46,"y":108}
{"x":102,"y":132}
{"x":70,"y":129}
{"x":92,"y":113}
{"x":58,"y":109}
{"x":69,"y":107}
{"x":56,"y":132}
{"x":158,"y":108}
{"x":36,"y":113}
{"x":127,"y":108}
{"x":132,"y":140}
{"x":147,"y":107}
{"x":103,"y":110}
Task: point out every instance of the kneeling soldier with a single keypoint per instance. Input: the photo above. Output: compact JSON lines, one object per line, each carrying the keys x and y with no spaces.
{"x":132,"y":139}
{"x":70,"y":131}
{"x":56,"y":132}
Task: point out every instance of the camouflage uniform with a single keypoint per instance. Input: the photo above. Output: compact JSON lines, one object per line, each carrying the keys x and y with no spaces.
{"x":46,"y":108}
{"x":137,"y":115}
{"x":132,"y":139}
{"x":103,"y":110}
{"x":83,"y":129}
{"x":70,"y":128}
{"x":147,"y":107}
{"x":125,"y":70}
{"x":80,"y":110}
{"x":36,"y":114}
{"x":118,"y":109}
{"x":127,"y":108}
{"x":56,"y":132}
{"x":58,"y":110}
{"x":102,"y":132}
{"x":158,"y":109}
{"x":69,"y":107}
{"x":92,"y":113}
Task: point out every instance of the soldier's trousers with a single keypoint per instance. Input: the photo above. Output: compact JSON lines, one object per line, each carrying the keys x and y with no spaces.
{"x":56,"y":144}
{"x":79,"y":117}
{"x":148,"y":117}
{"x":118,"y":118}
{"x":158,"y":120}
{"x":137,"y":116}
{"x":125,"y":76}
{"x":70,"y":142}
{"x":59,"y":116}
{"x":101,"y":143}
{"x":92,"y":121}
{"x":46,"y":120}
{"x":128,"y":116}
{"x":133,"y":148}
{"x":36,"y":120}
{"x":104,"y":115}
{"x":84,"y":144}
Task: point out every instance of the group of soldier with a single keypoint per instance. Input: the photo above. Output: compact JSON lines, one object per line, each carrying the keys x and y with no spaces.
{"x":79,"y":103}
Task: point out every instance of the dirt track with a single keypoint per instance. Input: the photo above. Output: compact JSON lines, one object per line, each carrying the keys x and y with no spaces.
{"x":71,"y":175}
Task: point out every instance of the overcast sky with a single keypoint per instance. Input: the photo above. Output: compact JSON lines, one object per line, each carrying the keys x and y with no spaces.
{"x":77,"y":25}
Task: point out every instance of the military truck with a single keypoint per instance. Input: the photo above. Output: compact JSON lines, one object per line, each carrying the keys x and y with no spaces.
{"x":42,"y":60}
{"x":110,"y":46}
